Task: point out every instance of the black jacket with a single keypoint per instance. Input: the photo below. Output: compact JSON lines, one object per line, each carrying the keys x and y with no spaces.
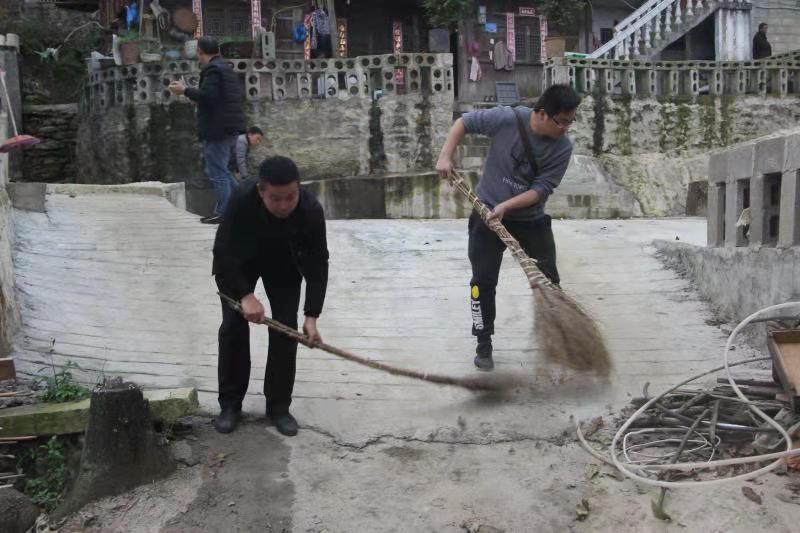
{"x":242,"y":248}
{"x":219,"y":102}
{"x":761,"y":47}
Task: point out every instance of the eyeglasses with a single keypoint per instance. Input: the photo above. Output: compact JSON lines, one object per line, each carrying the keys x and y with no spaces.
{"x":563,"y":124}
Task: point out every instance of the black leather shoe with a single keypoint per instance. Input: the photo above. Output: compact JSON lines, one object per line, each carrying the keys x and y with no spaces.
{"x":285,"y":424}
{"x":483,"y":355}
{"x":227,"y":420}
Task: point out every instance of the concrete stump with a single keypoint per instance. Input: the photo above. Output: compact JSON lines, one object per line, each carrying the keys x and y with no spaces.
{"x":121,"y":449}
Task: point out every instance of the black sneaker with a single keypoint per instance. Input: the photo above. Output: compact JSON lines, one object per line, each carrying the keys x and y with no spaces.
{"x":483,"y":357}
{"x":285,"y":423}
{"x":216,"y":219}
{"x":227,"y":420}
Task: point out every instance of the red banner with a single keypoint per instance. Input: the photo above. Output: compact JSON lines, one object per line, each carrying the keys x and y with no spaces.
{"x":255,"y":16}
{"x":397,"y":37}
{"x":511,"y":35}
{"x":197,"y":9}
{"x":543,"y":37}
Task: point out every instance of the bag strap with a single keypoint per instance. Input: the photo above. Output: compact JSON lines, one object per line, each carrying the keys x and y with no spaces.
{"x":526,"y":143}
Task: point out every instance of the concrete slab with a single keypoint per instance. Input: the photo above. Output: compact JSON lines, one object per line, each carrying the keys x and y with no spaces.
{"x":121,"y":285}
{"x":72,"y":417}
{"x":27,"y":196}
{"x":741,"y":161}
{"x":770,"y":156}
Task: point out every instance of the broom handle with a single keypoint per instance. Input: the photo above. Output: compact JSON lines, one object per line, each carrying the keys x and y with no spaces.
{"x":8,"y":101}
{"x":305,"y":341}
{"x":535,"y":276}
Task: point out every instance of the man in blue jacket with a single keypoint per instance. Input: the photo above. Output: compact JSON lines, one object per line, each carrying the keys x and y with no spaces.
{"x":274,"y":230}
{"x":220,"y":119}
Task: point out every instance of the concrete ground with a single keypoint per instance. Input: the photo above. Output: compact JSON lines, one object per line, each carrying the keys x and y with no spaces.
{"x":121,"y":285}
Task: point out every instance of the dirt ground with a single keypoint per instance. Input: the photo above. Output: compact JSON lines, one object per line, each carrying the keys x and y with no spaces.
{"x":246,"y":481}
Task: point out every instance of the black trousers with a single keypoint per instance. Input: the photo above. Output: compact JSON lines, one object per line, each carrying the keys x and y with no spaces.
{"x":233,"y":372}
{"x":486,"y":254}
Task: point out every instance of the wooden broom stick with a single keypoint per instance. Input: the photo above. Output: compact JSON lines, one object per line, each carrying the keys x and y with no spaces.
{"x":476,"y":382}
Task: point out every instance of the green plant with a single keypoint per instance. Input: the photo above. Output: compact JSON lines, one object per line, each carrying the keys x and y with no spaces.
{"x":446,"y":13}
{"x":62,"y":387}
{"x":562,"y":15}
{"x":229,"y":40}
{"x":130,"y":37}
{"x":46,"y":487}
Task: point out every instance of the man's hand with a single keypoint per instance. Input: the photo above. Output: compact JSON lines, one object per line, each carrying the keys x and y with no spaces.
{"x":498,"y":213}
{"x":177,"y":88}
{"x":252,"y":309}
{"x":445,"y":167}
{"x":310,"y":329}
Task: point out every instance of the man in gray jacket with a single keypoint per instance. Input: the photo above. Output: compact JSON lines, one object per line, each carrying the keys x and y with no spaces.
{"x":241,"y":149}
{"x":515,"y":185}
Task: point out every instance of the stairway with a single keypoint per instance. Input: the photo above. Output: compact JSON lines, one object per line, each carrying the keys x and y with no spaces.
{"x":646,"y":32}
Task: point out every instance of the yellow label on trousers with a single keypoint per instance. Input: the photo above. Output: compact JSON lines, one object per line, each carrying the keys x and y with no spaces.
{"x":475,"y":292}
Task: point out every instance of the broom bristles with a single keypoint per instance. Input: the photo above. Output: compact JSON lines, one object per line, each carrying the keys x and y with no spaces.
{"x":567,"y":334}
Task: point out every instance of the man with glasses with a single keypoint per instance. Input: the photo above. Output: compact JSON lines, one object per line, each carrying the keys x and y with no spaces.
{"x":529,"y":155}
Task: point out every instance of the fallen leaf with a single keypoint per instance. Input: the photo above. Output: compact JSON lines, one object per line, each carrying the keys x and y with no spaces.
{"x":751,"y":495}
{"x":582,"y":510}
{"x":231,"y":504}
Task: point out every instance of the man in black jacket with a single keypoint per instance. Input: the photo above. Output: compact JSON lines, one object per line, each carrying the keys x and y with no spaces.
{"x":274,"y":230}
{"x":761,"y":46}
{"x":220,"y":119}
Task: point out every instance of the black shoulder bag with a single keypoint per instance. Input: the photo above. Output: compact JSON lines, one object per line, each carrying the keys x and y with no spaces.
{"x":526,"y":143}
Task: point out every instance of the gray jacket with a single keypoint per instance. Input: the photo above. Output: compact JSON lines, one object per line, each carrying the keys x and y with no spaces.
{"x":239,"y":156}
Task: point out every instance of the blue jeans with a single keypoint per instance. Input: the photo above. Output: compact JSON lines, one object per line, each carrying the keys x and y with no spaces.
{"x":217,"y":155}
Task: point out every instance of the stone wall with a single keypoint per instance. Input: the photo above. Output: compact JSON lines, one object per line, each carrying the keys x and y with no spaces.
{"x":738,"y":281}
{"x":53,"y":159}
{"x":326,"y":137}
{"x":656,"y":147}
{"x":9,"y":314}
{"x":9,"y":61}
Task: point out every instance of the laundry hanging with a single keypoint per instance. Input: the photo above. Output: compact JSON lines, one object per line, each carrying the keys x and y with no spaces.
{"x":503,"y":57}
{"x":475,"y":73}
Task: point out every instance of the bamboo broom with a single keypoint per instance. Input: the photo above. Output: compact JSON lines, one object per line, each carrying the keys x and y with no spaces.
{"x":480,"y":382}
{"x":565,"y":332}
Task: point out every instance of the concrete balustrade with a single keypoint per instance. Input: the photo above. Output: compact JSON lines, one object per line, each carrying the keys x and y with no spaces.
{"x":774,"y":76}
{"x":761,"y":176}
{"x":277,"y":79}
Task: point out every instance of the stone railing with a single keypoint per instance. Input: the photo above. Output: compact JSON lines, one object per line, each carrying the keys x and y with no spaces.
{"x":653,"y":22}
{"x":675,"y":78}
{"x":753,"y":192}
{"x":345,"y":78}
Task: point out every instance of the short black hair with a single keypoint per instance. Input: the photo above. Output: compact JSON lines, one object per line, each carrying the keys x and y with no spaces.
{"x":278,"y":170}
{"x":208,"y":45}
{"x":762,"y":26}
{"x":255,"y":130}
{"x":558,"y":99}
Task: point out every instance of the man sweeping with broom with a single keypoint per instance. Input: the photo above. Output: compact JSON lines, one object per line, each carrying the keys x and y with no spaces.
{"x":273,"y":229}
{"x":529,"y":155}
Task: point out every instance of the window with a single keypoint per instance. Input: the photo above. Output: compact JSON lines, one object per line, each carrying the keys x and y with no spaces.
{"x":528,"y":40}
